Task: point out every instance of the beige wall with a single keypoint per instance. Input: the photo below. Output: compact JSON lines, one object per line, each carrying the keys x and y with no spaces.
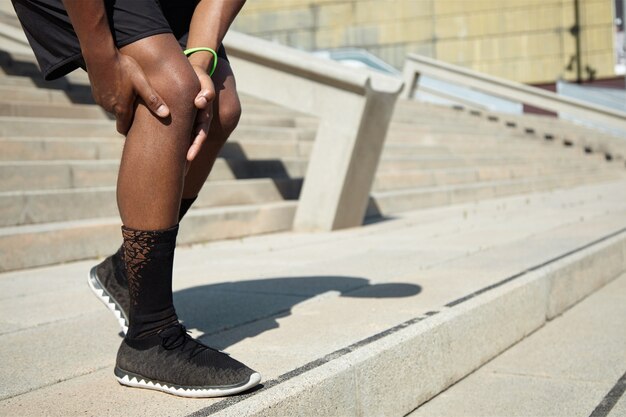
{"x":523,"y":40}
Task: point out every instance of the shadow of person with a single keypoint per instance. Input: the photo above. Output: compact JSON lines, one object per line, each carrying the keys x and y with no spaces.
{"x":243,"y":309}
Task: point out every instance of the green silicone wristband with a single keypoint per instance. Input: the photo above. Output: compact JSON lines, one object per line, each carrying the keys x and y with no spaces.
{"x":190,"y":51}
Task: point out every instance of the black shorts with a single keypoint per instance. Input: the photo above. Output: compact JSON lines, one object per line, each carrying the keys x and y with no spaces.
{"x":55,"y":44}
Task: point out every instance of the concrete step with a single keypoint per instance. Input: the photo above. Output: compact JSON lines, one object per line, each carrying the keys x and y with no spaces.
{"x":395,"y":201}
{"x":452,"y":116}
{"x":52,"y":243}
{"x":460,"y":137}
{"x":14,"y":80}
{"x":423,"y":300}
{"x":63,"y":174}
{"x":43,"y":206}
{"x":55,"y":148}
{"x":38,"y":91}
{"x":91,"y":112}
{"x":71,"y":111}
{"x":572,"y":134}
{"x":29,"y":149}
{"x":76,"y":95}
{"x":386,"y":181}
{"x":445,"y":117}
{"x":51,"y":148}
{"x":530,"y":150}
{"x":56,"y":127}
{"x":451,"y":128}
{"x":455,"y":160}
{"x":48,"y":148}
{"x":571,"y":367}
{"x":57,"y":174}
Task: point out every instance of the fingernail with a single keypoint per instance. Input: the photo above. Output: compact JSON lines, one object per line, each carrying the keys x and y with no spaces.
{"x":162,"y":110}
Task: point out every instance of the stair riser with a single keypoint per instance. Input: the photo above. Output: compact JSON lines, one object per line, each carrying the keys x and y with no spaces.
{"x":246,"y":147}
{"x":104,"y":174}
{"x":60,"y":111}
{"x":82,"y":112}
{"x":51,"y":92}
{"x":29,"y":250}
{"x":41,"y":207}
{"x":400,"y":165}
{"x":390,"y":181}
{"x":31,"y":95}
{"x":416,"y":199}
{"x":239,"y":147}
{"x":399,"y":371}
{"x":15,"y":127}
{"x":47,"y":150}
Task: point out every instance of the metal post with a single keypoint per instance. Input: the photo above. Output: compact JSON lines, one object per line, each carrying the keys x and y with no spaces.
{"x":624,"y":38}
{"x":576,"y":32}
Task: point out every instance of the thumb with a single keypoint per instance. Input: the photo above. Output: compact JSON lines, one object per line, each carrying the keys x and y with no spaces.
{"x":207,"y":92}
{"x":144,"y":90}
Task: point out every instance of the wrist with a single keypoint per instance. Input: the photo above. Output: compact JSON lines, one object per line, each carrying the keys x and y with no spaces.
{"x":202,"y":59}
{"x":98,"y":54}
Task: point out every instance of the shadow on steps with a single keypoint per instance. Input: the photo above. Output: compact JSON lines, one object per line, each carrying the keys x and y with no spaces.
{"x":229,"y":312}
{"x":77,"y":93}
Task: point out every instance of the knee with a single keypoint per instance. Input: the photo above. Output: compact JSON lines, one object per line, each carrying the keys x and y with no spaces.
{"x":178,"y":90}
{"x":226,"y":116}
{"x":169,"y":73}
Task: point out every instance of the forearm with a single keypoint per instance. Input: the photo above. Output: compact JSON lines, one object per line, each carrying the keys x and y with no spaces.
{"x":91,"y":25}
{"x":209,"y":25}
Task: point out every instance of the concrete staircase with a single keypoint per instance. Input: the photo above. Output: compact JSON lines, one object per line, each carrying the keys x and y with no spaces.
{"x":60,"y":157}
{"x":493,"y":226}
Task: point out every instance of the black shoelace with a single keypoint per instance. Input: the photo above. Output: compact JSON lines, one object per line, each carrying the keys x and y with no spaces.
{"x":181,"y":339}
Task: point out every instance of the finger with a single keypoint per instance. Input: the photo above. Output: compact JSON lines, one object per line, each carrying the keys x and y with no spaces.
{"x":195,"y":147}
{"x":201,"y":133}
{"x":154,"y":102}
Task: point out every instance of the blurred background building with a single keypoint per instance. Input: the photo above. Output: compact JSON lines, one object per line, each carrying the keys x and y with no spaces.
{"x":536,"y":42}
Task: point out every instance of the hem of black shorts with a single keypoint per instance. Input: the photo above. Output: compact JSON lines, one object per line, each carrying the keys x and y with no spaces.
{"x":72,"y":59}
{"x":135,"y":38}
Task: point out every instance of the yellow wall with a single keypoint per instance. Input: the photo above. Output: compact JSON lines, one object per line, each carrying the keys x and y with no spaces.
{"x":523,"y":40}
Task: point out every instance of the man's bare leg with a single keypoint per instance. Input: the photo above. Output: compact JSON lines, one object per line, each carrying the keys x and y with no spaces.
{"x":110,"y":274}
{"x":157,"y":352}
{"x":151,"y":173}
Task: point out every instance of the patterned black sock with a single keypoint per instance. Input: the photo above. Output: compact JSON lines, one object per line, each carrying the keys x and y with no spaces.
{"x":185,"y":204}
{"x":149,"y":257}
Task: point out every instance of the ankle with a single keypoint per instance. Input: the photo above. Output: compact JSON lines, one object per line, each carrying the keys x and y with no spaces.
{"x":145,"y":325}
{"x":149,"y":258}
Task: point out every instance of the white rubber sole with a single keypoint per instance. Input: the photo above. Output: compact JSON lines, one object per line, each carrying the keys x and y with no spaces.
{"x":138,"y":382}
{"x":102,"y":295}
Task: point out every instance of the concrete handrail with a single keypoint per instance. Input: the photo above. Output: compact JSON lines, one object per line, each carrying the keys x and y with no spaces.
{"x":417,"y":64}
{"x":354,"y":108}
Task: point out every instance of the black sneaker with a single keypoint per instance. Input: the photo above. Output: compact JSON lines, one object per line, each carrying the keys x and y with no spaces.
{"x":174,"y":362}
{"x":108,"y":281}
